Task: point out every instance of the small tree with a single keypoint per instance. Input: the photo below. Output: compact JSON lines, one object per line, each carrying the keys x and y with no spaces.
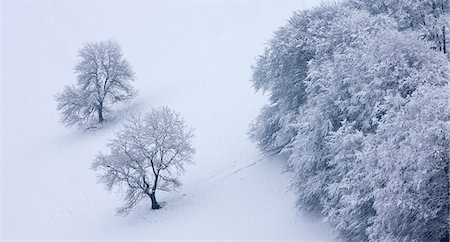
{"x":103,"y":78}
{"x":148,"y":154}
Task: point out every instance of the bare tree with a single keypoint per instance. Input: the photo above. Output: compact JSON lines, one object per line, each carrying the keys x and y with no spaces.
{"x":103,"y":78}
{"x":148,"y":154}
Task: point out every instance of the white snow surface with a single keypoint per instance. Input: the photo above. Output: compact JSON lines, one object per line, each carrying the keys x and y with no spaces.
{"x":193,"y":56}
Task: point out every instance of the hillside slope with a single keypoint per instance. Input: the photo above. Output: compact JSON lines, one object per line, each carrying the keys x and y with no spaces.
{"x":194,"y":57}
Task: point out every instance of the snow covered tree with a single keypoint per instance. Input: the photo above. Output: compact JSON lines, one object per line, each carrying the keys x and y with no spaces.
{"x":429,"y":17}
{"x":347,"y":203}
{"x":147,"y":155}
{"x":282,"y":70}
{"x":103,"y":78}
{"x":412,"y":146}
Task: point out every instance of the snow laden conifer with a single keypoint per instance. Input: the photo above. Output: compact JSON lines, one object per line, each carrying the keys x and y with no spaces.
{"x":147,"y":155}
{"x":103,"y":78}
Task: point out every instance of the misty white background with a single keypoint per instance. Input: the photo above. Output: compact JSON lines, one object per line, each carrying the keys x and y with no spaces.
{"x":193,"y":56}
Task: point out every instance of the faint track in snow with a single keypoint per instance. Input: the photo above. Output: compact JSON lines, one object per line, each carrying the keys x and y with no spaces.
{"x":245,"y":167}
{"x":227,"y":173}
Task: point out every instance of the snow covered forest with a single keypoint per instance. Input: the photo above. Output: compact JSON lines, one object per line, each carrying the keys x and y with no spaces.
{"x":359,"y":107}
{"x":225,"y":120}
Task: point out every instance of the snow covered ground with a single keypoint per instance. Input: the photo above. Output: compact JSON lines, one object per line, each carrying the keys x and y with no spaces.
{"x":193,"y":56}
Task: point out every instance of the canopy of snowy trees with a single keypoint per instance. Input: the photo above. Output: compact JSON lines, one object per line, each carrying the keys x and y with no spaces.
{"x":359,"y":106}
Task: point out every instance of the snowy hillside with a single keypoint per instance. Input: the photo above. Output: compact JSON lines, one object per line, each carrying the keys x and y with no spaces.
{"x":193,"y":56}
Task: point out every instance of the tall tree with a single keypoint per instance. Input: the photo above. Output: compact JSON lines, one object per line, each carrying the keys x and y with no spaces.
{"x":103,"y":77}
{"x":147,"y":155}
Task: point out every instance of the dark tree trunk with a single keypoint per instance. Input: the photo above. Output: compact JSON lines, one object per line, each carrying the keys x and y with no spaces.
{"x":152,"y":195}
{"x":100,"y":113}
{"x":444,"y":44}
{"x":155,"y":204}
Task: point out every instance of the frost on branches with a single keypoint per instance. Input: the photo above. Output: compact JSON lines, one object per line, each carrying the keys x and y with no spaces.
{"x":103,"y":77}
{"x":147,"y":155}
{"x":359,"y":105}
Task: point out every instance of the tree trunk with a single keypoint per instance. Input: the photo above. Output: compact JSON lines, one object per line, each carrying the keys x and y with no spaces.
{"x":444,"y":44}
{"x":155,"y":204}
{"x":100,"y":113}
{"x":152,"y":195}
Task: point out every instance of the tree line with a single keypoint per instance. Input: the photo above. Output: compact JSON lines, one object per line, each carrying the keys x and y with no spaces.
{"x":358,"y":104}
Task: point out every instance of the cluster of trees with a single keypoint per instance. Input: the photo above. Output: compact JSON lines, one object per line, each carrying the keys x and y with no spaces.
{"x":359,"y":106}
{"x":150,"y":151}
